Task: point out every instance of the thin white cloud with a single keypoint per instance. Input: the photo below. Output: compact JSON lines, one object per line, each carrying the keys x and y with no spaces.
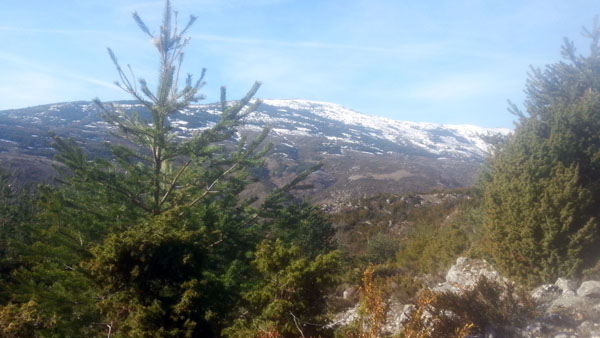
{"x":407,"y":50}
{"x":41,"y":88}
{"x":457,"y":87}
{"x":198,"y":5}
{"x":29,"y":88}
{"x":51,"y":70}
{"x":26,"y":82}
{"x":47,"y":31}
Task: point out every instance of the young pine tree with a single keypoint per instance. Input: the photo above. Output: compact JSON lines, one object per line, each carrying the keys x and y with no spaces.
{"x":153,"y":241}
{"x":156,"y":242}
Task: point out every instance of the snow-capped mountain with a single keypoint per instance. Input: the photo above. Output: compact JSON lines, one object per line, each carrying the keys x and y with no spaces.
{"x":343,"y":129}
{"x":361,"y":154}
{"x":371,"y":134}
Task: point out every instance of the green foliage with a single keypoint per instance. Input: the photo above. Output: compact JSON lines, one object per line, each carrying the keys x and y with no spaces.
{"x":302,"y":224}
{"x":290,"y":297}
{"x":404,"y":287}
{"x":592,"y":273}
{"x":45,"y":293}
{"x":157,"y":241}
{"x":381,"y":248}
{"x":543,"y":188}
{"x":16,"y":210}
{"x":374,"y":230}
{"x":155,"y":273}
{"x":50,"y":300}
{"x":20,"y":320}
{"x":15,"y":203}
{"x":160,"y":224}
{"x":432,"y":250}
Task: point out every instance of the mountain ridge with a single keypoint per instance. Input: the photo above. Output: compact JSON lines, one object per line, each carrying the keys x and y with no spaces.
{"x":361,"y":154}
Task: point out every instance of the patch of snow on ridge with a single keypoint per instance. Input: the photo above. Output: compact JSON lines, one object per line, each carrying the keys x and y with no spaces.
{"x":435,"y":138}
{"x":474,"y":134}
{"x":297,"y":131}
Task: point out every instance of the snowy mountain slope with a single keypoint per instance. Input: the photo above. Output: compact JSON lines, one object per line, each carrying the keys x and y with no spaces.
{"x":331,"y":122}
{"x":347,"y":126}
{"x":350,"y":130}
{"x":361,"y":154}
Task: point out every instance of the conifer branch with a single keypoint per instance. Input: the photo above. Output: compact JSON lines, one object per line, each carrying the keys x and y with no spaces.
{"x":191,"y":21}
{"x":132,"y":197}
{"x":141,"y":24}
{"x":210,"y":187}
{"x":174,"y":182}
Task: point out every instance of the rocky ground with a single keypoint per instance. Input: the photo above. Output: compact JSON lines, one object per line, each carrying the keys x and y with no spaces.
{"x":565,"y":309}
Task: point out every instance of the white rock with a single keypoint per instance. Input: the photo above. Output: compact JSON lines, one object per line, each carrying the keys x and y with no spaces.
{"x":350,"y":293}
{"x":392,"y":320}
{"x":407,"y":311}
{"x":589,"y":329}
{"x":573,"y":303}
{"x":445,"y":287}
{"x":466,"y":272}
{"x":589,"y":289}
{"x":345,"y":318}
{"x":566,"y":284}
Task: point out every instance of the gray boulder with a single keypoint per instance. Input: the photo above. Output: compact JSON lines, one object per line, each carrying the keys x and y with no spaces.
{"x":571,"y":304}
{"x":466,"y":272}
{"x":351,"y":293}
{"x":589,"y":329}
{"x":397,"y":315}
{"x":566,"y":285}
{"x":589,"y":289}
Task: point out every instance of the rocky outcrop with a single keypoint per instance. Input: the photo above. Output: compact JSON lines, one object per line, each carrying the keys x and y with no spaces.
{"x":465,"y":274}
{"x":565,"y":309}
{"x":589,"y":289}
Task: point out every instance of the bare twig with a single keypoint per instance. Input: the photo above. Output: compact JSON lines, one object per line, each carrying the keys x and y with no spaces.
{"x":108,"y":325}
{"x":209,"y":188}
{"x":174,"y":182}
{"x":297,"y":326}
{"x":218,"y":241}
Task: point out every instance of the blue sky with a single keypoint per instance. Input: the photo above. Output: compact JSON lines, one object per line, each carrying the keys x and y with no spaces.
{"x":427,"y":61}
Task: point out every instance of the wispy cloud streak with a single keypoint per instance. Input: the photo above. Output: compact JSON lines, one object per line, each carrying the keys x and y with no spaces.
{"x":49,"y":31}
{"x":51,"y":70}
{"x":200,"y":5}
{"x":404,"y":49}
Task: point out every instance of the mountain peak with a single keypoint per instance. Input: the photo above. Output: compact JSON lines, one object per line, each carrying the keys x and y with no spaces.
{"x":346,"y":126}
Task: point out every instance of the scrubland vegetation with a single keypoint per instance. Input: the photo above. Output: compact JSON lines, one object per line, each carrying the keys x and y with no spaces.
{"x":158,"y":242}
